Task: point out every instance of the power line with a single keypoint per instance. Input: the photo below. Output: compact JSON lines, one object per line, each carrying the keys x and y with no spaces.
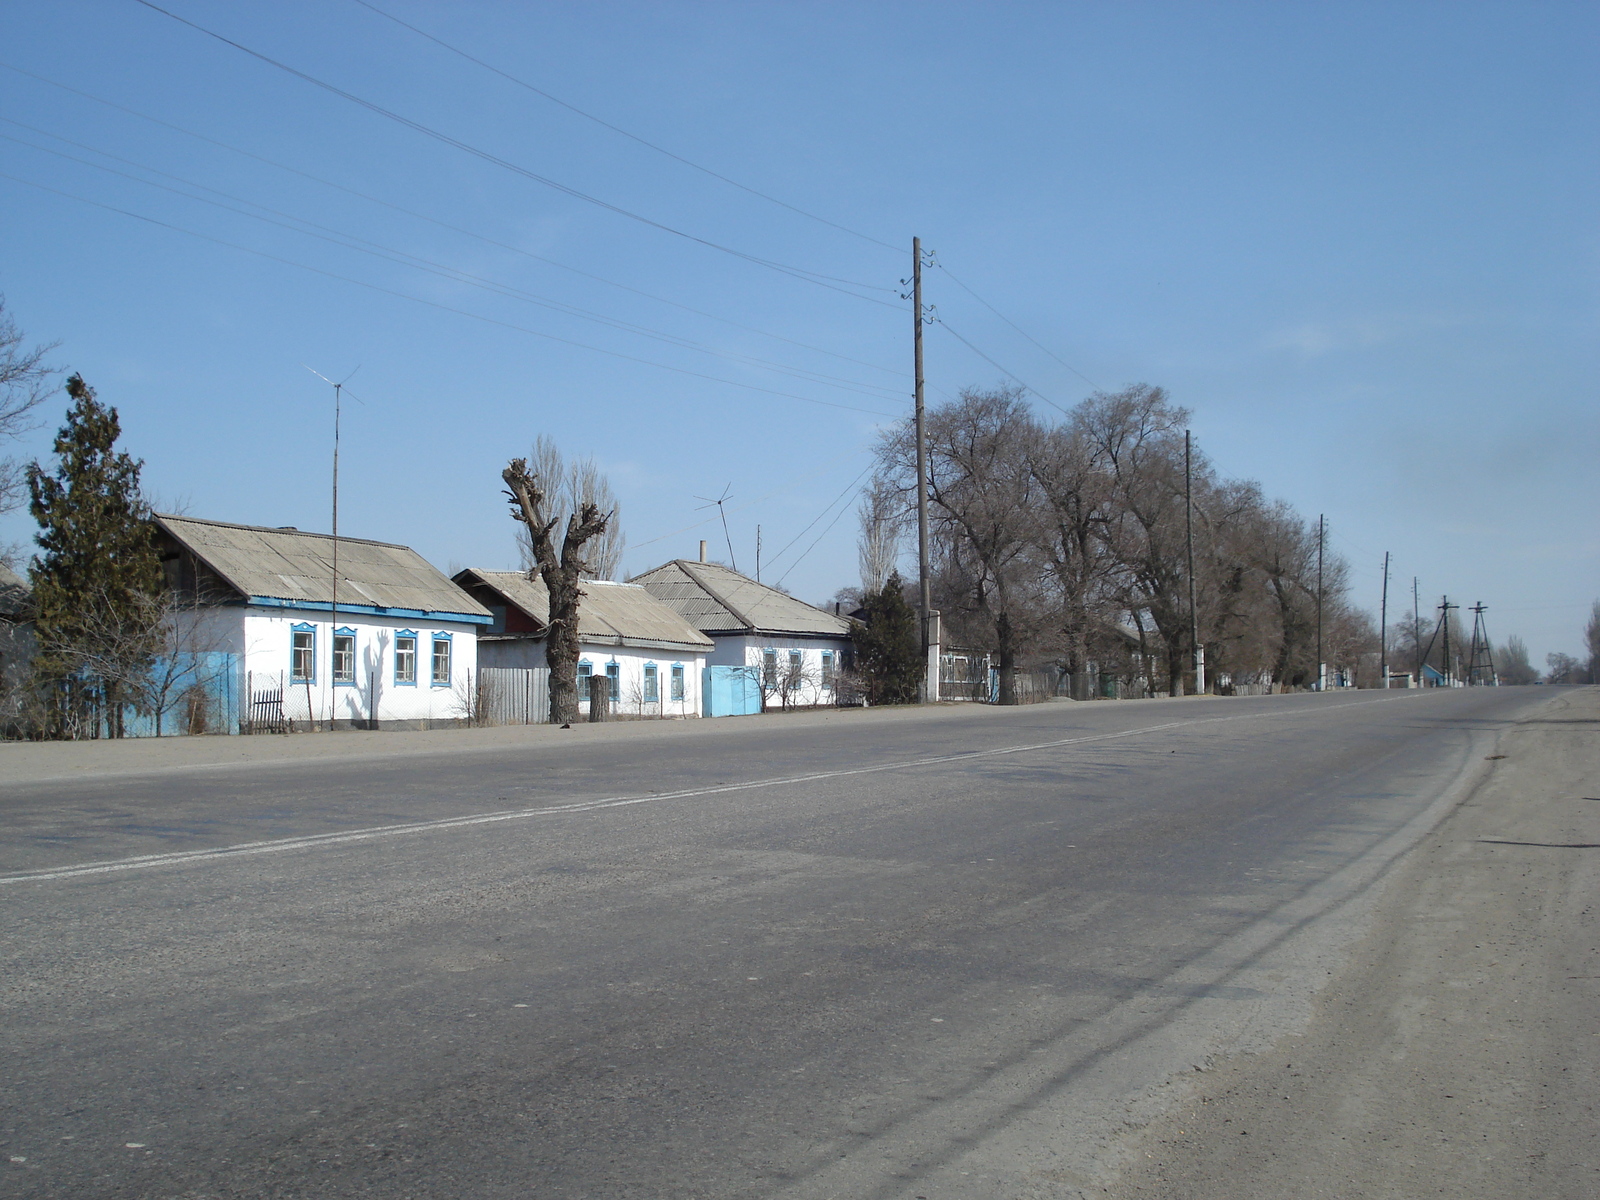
{"x":1020,"y":382}
{"x":820,"y":536}
{"x":828,"y":281}
{"x":825,"y":511}
{"x":435,"y":304}
{"x":1011,"y":323}
{"x":522,"y":83}
{"x":443,"y":270}
{"x":488,"y":241}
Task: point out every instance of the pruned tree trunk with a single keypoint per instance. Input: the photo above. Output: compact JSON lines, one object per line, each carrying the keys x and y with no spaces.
{"x":530,"y":500}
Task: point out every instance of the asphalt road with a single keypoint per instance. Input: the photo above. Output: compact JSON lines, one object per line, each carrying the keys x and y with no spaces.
{"x":933,"y":954}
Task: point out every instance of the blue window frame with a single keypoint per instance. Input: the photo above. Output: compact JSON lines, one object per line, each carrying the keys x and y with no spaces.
{"x":614,"y":674}
{"x":344,"y":657}
{"x":827,"y":668}
{"x":441,"y":660}
{"x":677,"y":681}
{"x":652,"y":684}
{"x":769,"y":669}
{"x":302,"y":653}
{"x":405,"y":657}
{"x":796,"y":669}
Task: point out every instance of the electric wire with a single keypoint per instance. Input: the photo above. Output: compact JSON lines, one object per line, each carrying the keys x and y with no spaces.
{"x":443,"y":270}
{"x":378,"y":200}
{"x":837,"y":517}
{"x":1013,"y":325}
{"x":827,"y":508}
{"x":827,"y":281}
{"x":1020,"y":382}
{"x":538,"y":91}
{"x":749,"y":504}
{"x":435,"y":304}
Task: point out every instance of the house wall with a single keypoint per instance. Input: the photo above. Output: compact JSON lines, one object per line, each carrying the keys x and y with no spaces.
{"x":264,"y":641}
{"x":743,"y":650}
{"x":630,"y":661}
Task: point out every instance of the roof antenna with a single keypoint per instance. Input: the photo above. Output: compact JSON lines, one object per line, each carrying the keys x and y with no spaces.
{"x":338,"y":389}
{"x":719,"y":502}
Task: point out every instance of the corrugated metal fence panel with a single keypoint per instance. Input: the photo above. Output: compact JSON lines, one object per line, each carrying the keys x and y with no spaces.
{"x":514,"y":695}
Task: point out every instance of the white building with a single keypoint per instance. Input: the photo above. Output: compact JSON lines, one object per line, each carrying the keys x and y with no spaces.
{"x":794,"y":649}
{"x":391,"y":644}
{"x":653,"y":657}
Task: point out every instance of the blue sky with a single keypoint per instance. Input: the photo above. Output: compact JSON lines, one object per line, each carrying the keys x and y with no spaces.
{"x":1358,"y":241}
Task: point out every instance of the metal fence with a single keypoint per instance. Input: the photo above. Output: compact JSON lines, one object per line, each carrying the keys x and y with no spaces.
{"x":513,"y":696}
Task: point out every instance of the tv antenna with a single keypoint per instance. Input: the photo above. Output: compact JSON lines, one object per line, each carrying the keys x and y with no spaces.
{"x":719,"y":502}
{"x":338,"y":391}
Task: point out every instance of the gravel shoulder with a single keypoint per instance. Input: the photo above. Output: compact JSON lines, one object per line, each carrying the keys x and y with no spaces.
{"x":1457,"y":1053}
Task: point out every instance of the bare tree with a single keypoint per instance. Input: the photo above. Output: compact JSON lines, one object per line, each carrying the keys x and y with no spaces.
{"x":1591,"y":640}
{"x":882,"y":512}
{"x":571,"y":485}
{"x":1512,"y":662}
{"x":24,"y":384}
{"x":540,"y":510}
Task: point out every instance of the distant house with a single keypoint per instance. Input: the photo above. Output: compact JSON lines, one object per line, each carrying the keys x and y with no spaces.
{"x":399,"y":650}
{"x":652,"y":656}
{"x":794,"y":650}
{"x":17,"y":643}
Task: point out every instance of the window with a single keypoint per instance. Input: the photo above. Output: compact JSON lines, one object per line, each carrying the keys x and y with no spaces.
{"x":796,"y":669}
{"x":303,"y":653}
{"x":585,"y":669}
{"x":652,"y":685}
{"x":405,"y":657}
{"x":614,"y":674}
{"x":677,"y":681}
{"x":769,"y":668}
{"x":441,"y":660}
{"x":827,"y":668}
{"x":344,"y":656}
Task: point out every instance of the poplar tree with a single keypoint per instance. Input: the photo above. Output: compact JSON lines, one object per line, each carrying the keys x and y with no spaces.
{"x":97,"y":581}
{"x":888,"y":648}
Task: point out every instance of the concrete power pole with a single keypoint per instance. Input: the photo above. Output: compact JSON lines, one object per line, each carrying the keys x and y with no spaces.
{"x":930,"y":641}
{"x":1383,"y":626}
{"x":1194,"y":615}
{"x":1322,"y":670}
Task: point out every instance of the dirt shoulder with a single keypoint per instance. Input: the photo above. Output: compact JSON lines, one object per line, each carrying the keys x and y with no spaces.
{"x":1458,"y":1054}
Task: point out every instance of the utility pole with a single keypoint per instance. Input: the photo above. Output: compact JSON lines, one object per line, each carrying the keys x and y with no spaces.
{"x":1383,"y":626}
{"x":1444,"y":621}
{"x":1480,"y":640}
{"x":1188,"y":533}
{"x":1321,"y":671}
{"x":758,"y":554}
{"x":930,"y":685}
{"x":1416,"y":622}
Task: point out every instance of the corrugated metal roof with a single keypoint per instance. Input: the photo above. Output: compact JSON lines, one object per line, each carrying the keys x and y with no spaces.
{"x":292,"y":566}
{"x":14,"y":592}
{"x":622,"y":614}
{"x":717,"y":599}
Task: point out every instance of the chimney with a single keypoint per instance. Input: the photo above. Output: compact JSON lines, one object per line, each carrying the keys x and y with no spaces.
{"x":702,"y":550}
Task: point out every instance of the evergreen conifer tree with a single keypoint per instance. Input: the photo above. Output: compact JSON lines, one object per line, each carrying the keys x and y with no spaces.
{"x":97,"y":580}
{"x":888,"y":650}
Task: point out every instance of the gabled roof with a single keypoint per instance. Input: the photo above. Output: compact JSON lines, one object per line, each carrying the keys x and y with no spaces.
{"x":616,"y":614}
{"x":14,"y":593}
{"x":717,"y":599}
{"x":292,"y":569}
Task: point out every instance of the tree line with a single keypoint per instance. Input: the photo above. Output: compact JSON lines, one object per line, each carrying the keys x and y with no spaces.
{"x":1067,"y":543}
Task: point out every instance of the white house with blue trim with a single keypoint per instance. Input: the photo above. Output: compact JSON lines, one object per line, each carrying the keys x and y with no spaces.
{"x":793,"y":650}
{"x":654,"y":659}
{"x":349,"y":633}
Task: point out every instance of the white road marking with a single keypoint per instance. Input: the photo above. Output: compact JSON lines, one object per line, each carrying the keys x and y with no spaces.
{"x":312,"y":841}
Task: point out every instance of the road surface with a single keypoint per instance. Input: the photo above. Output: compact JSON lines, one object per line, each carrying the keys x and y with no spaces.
{"x":951,"y":953}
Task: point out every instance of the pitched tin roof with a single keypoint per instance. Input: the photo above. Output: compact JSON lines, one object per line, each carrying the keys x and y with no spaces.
{"x":14,"y":592}
{"x":621,"y":614}
{"x":717,"y":599}
{"x":295,"y":569}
